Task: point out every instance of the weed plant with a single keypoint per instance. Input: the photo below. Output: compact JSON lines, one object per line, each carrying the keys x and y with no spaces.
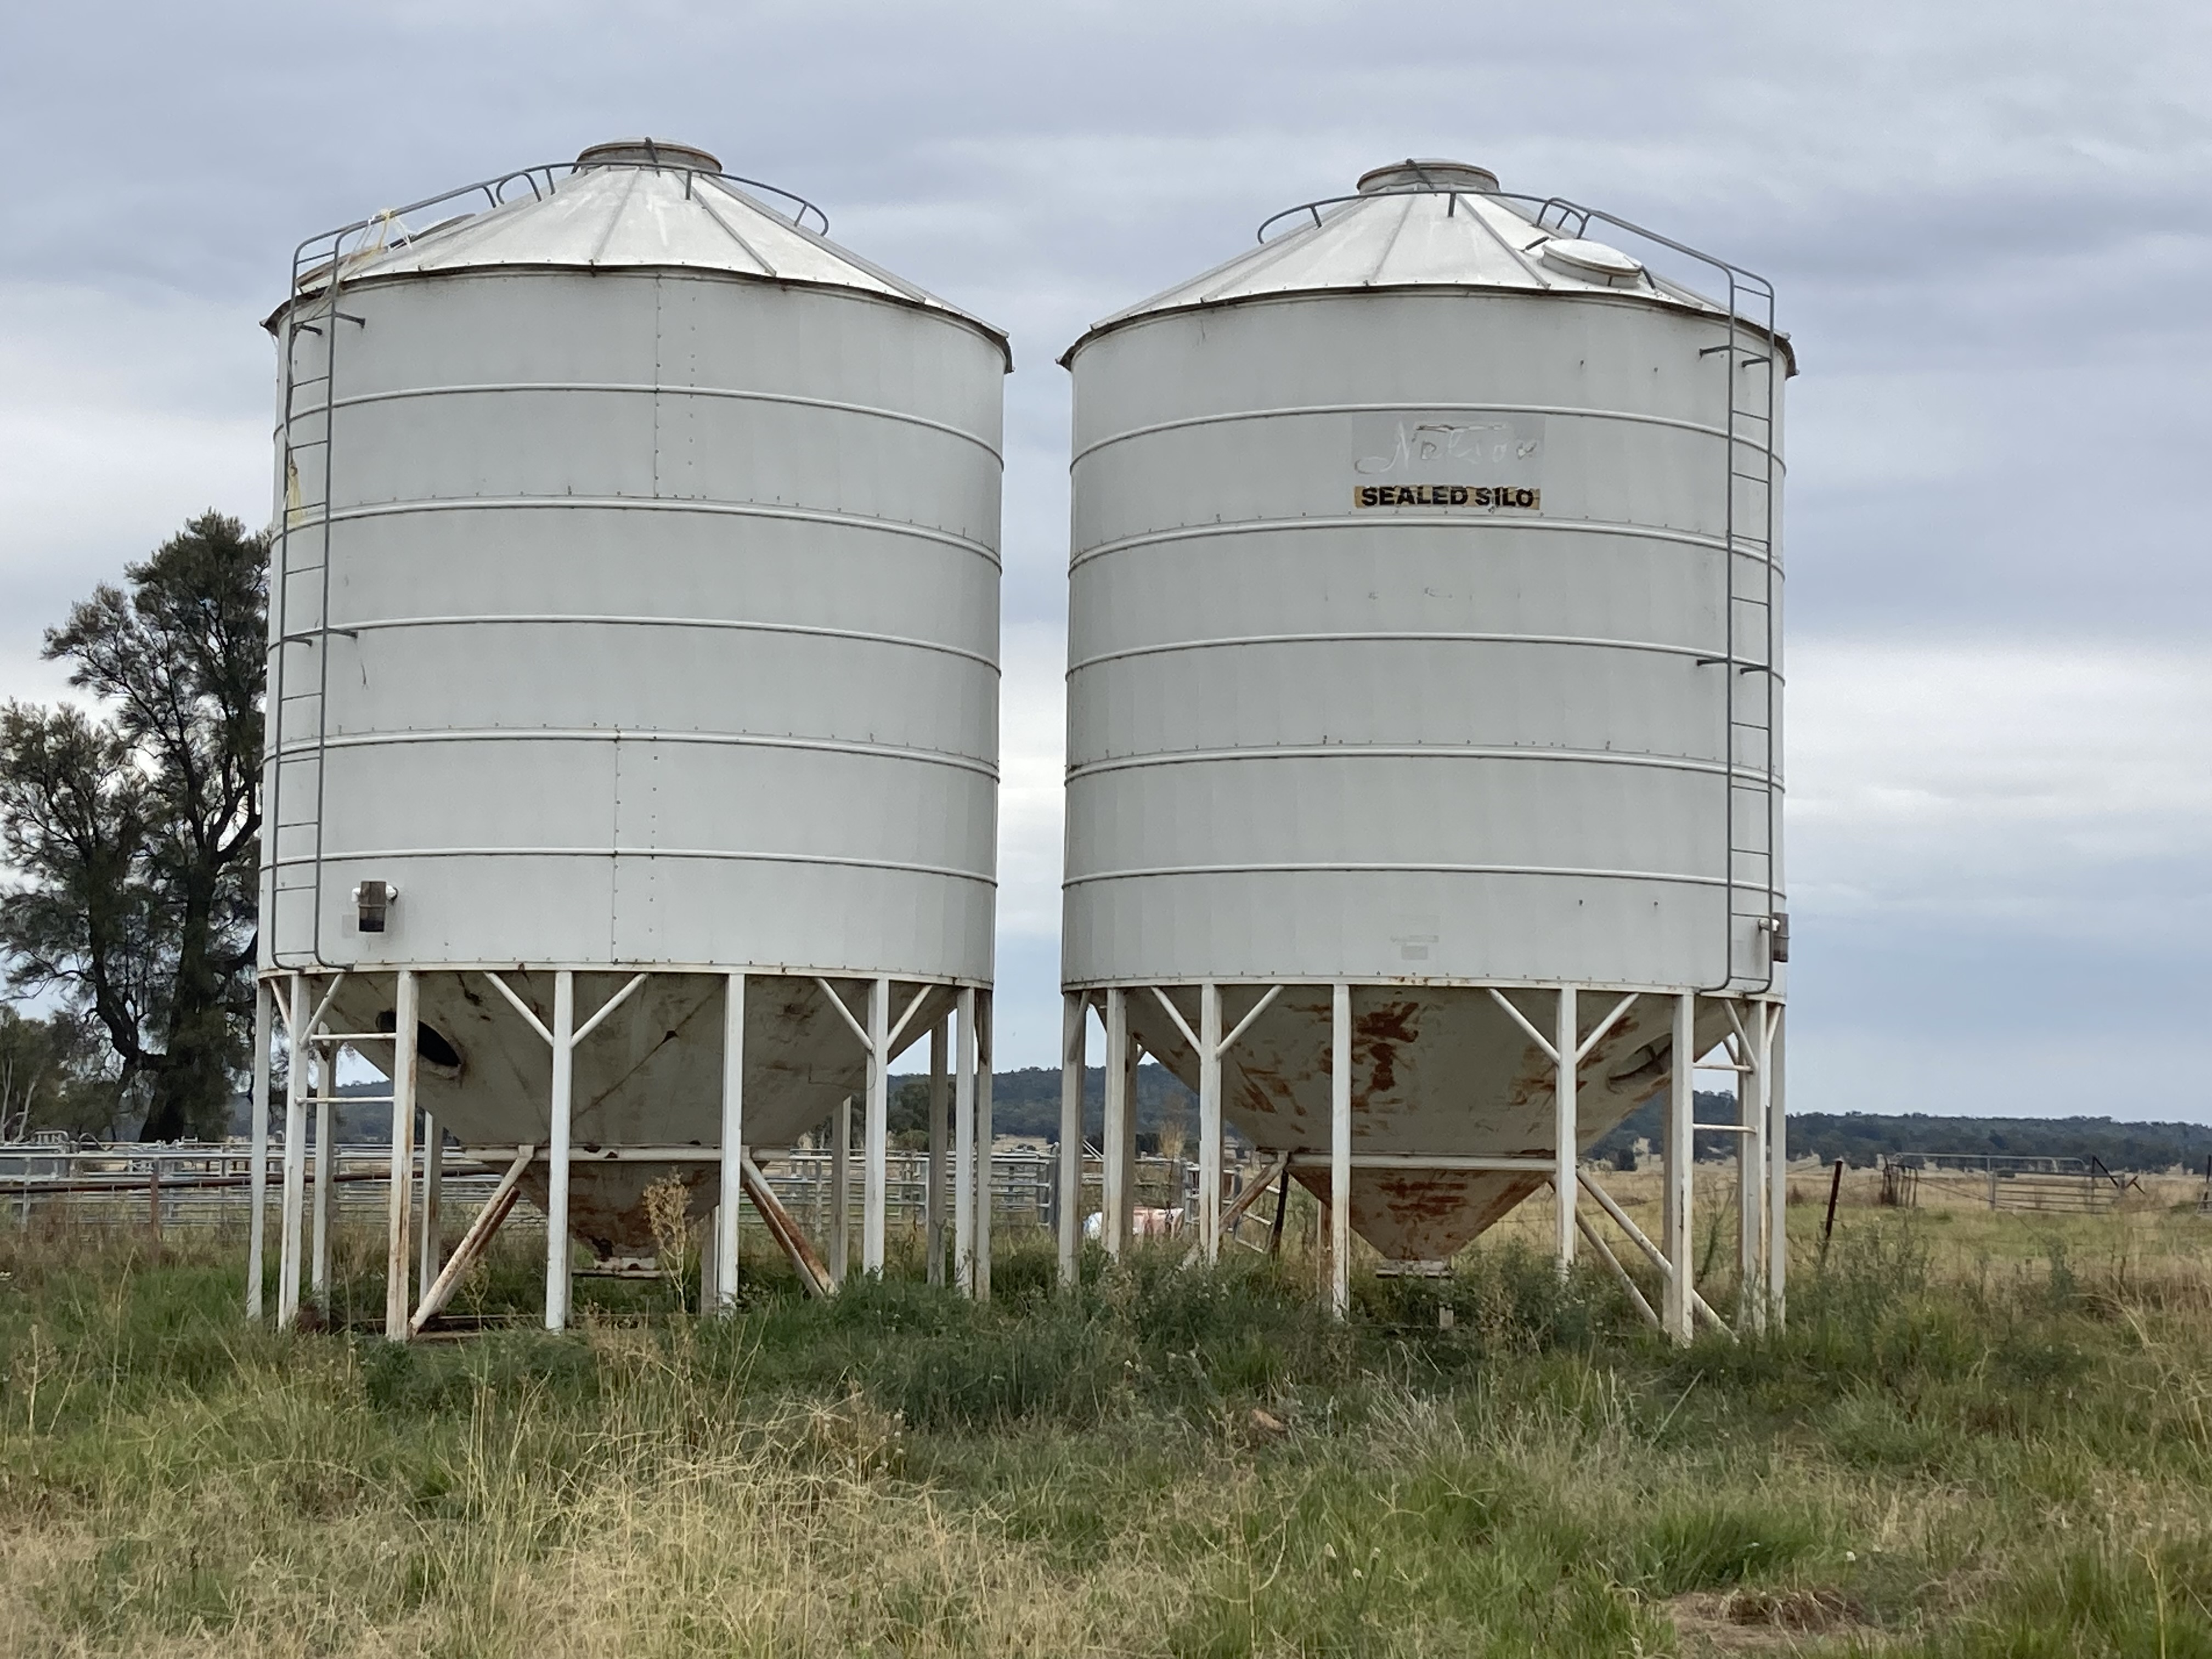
{"x":1940,"y":1453}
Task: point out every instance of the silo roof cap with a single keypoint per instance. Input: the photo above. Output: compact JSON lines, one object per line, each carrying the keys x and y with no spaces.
{"x":648,"y":152}
{"x":1413,"y":174}
{"x":630,"y":203}
{"x":1415,"y":224}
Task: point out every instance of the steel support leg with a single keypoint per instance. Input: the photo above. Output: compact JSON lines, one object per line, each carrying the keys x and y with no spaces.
{"x":295,"y":1199}
{"x":875,"y":1174}
{"x":405,"y":1017}
{"x":1074,"y":1036}
{"x":1567,"y":1128}
{"x":964,"y":1142}
{"x":1340,"y":1151}
{"x":431,"y":1251}
{"x":933,"y":1203}
{"x":1778,"y":1162}
{"x":983,"y":1155}
{"x":325,"y":1085}
{"x":1751,"y":1172}
{"x":556,"y":1151}
{"x":840,"y":1191}
{"x":1121,"y":1128}
{"x":733,"y":1141}
{"x":1678,"y":1161}
{"x":257,"y":1184}
{"x":1209,"y":1122}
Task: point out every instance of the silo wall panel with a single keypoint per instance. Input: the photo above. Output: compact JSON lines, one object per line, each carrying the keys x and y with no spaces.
{"x":575,"y":515}
{"x":1530,"y":701}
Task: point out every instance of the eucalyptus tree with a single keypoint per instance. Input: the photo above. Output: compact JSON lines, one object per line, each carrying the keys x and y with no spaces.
{"x":133,"y":825}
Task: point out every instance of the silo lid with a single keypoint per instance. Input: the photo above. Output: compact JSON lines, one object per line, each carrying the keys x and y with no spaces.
{"x":633,"y":204}
{"x":1415,"y":224}
{"x":1414,"y":174}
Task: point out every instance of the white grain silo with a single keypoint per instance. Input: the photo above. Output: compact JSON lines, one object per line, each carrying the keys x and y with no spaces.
{"x":633,"y":623}
{"x":1424,"y":704}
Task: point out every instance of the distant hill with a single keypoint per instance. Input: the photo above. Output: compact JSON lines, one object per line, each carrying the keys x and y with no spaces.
{"x":1027,"y":1102}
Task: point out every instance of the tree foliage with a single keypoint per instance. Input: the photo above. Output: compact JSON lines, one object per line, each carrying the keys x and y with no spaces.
{"x":134,"y":833}
{"x":54,"y":1074}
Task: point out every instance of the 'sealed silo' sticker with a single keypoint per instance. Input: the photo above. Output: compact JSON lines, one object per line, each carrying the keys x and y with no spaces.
{"x":1482,"y":498}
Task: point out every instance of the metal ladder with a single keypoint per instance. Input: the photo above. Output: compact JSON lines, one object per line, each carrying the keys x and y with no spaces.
{"x":1753,"y":799}
{"x":1749,"y":755}
{"x":303,"y":429}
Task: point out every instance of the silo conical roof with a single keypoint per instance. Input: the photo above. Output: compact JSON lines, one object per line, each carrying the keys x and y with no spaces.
{"x":1416,"y":224}
{"x":637,"y":204}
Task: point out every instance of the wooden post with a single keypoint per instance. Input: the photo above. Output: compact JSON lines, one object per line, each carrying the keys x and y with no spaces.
{"x":1828,"y":1226}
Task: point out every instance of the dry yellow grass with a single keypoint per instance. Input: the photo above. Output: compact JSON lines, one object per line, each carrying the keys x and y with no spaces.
{"x":1982,"y":1433}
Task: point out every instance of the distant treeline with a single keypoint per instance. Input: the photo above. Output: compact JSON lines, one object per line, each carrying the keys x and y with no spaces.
{"x":1857,"y":1137}
{"x":1027,"y":1102}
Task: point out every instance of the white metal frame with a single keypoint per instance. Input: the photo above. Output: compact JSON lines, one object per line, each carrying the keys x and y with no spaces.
{"x":1753,"y":1049}
{"x":301,"y":1004}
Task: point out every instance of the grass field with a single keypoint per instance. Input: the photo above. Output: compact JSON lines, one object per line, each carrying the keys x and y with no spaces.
{"x":1981,"y":1433}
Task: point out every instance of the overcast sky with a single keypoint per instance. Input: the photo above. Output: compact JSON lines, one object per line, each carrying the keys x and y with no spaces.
{"x":1990,"y":225}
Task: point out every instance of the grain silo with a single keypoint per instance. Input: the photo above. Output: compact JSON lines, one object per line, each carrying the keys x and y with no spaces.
{"x":1423,"y":711}
{"x":634,"y":635}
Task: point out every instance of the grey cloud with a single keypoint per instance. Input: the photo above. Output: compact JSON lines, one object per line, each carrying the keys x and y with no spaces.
{"x":1989,"y":224}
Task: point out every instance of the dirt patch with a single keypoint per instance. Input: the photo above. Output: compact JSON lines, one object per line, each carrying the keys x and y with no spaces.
{"x":1762,"y":1620}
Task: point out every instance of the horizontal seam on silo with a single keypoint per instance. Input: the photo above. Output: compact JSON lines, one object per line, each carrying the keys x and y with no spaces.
{"x":1404,"y":637}
{"x":524,"y":619}
{"x":625,"y":734}
{"x":1421,"y":751}
{"x":1406,"y":868}
{"x":660,"y":966}
{"x":869,"y":410}
{"x":1426,"y":520}
{"x":1189,"y":421}
{"x":1441,"y":982}
{"x":350,"y":855}
{"x":662,"y":504}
